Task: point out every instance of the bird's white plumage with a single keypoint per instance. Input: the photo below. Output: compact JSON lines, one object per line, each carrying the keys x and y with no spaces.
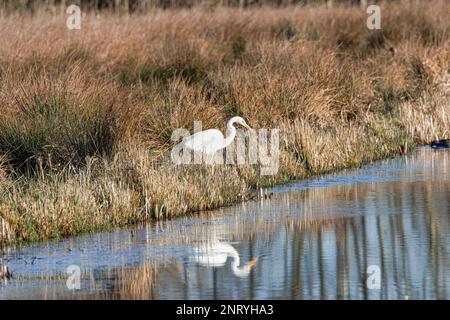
{"x":216,"y":253}
{"x":208,"y":141}
{"x":212,"y":140}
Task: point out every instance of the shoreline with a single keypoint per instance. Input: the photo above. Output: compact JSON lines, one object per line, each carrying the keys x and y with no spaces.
{"x":254,"y":195}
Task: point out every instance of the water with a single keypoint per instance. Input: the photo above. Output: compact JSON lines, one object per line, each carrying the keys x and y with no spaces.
{"x":314,"y":239}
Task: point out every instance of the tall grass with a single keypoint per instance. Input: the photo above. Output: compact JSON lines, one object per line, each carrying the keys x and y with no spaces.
{"x":87,"y":115}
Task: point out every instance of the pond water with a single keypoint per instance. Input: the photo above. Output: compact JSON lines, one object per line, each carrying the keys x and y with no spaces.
{"x":378,"y":232}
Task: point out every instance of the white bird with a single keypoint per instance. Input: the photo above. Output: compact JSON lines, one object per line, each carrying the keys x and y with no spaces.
{"x":211,"y":140}
{"x":216,"y":253}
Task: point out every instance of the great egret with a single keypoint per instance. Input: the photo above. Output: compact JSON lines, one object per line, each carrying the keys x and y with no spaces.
{"x":216,"y":253}
{"x":211,"y":140}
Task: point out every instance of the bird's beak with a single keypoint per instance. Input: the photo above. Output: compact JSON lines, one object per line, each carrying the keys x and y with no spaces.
{"x":252,"y":262}
{"x":246,"y":126}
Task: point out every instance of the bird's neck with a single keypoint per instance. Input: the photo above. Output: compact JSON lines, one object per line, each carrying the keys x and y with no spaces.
{"x":237,"y":269}
{"x":235,"y":263}
{"x":231,"y":133}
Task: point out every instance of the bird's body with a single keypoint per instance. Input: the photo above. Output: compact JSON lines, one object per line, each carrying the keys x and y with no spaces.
{"x":208,"y":141}
{"x":212,"y":140}
{"x":213,"y":254}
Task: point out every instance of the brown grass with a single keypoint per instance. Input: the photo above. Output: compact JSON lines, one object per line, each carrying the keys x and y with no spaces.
{"x":86,"y":115}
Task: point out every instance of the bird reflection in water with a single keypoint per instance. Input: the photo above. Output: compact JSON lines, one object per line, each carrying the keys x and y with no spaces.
{"x":216,"y":253}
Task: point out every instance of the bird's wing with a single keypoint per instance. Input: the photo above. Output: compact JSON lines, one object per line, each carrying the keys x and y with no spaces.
{"x":204,"y":140}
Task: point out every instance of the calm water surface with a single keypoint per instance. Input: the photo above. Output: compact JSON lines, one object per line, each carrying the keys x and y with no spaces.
{"x":314,"y":239}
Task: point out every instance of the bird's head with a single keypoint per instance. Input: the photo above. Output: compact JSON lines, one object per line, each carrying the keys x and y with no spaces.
{"x":244,"y":270}
{"x":240,"y":121}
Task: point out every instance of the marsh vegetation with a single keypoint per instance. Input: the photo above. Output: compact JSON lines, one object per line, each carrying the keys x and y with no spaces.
{"x":86,"y":115}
